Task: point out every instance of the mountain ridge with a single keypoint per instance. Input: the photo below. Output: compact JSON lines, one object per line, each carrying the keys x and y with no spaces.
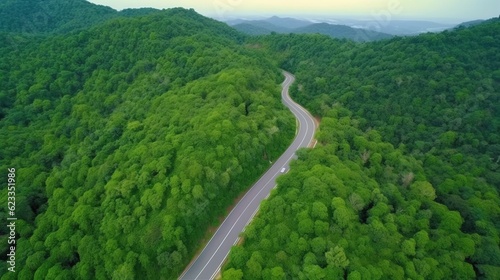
{"x":393,"y":27}
{"x":407,"y":123}
{"x":291,"y":25}
{"x":58,"y":16}
{"x":140,"y":132}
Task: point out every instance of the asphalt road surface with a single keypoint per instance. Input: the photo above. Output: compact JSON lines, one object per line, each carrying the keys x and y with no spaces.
{"x":208,"y":263}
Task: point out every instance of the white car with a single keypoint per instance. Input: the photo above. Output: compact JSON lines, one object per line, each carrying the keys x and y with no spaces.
{"x":283,"y":170}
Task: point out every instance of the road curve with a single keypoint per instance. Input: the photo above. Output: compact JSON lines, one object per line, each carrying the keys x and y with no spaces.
{"x":208,"y":263}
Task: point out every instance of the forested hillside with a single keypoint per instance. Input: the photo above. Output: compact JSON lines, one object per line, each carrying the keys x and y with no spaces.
{"x":129,"y":139}
{"x":266,"y":27}
{"x":354,"y":207}
{"x":132,"y":132}
{"x":404,"y":183}
{"x":56,"y":16}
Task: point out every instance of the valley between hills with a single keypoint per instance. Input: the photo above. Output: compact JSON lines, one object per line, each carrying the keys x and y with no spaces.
{"x":132,"y":132}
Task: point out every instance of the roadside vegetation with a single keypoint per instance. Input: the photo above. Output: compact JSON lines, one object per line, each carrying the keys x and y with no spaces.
{"x":130,"y":139}
{"x":404,"y":181}
{"x":132,"y":132}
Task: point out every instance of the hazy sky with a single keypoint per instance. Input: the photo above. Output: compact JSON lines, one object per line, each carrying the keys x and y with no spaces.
{"x":419,"y":9}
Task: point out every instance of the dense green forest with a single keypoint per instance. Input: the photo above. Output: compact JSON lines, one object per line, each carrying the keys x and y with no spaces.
{"x":354,"y":207}
{"x":130,"y":139}
{"x":132,"y":132}
{"x":56,"y":16}
{"x":404,"y":183}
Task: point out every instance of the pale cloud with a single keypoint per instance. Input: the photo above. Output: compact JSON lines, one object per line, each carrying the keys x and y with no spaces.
{"x":459,"y":9}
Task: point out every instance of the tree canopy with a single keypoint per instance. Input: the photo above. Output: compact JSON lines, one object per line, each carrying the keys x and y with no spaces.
{"x":130,"y":139}
{"x":132,"y":132}
{"x":407,"y":162}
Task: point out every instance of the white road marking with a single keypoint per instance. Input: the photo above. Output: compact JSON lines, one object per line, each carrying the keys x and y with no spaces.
{"x":302,"y":116}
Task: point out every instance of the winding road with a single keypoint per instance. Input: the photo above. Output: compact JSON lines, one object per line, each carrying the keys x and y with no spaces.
{"x":208,"y":263}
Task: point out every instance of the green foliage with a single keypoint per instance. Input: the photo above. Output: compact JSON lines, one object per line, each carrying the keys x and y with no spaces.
{"x":231,"y":274}
{"x":130,"y":138}
{"x":416,"y":121}
{"x":57,"y":16}
{"x":37,"y":16}
{"x":381,"y":223}
{"x":336,"y":257}
{"x":133,"y":131}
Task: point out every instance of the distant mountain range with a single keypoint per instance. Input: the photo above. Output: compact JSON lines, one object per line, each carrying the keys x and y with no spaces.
{"x":471,"y":23}
{"x":399,"y":27}
{"x":51,"y":16}
{"x":343,"y":32}
{"x":358,"y":30}
{"x":288,"y":22}
{"x":266,"y":26}
{"x":291,"y":25}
